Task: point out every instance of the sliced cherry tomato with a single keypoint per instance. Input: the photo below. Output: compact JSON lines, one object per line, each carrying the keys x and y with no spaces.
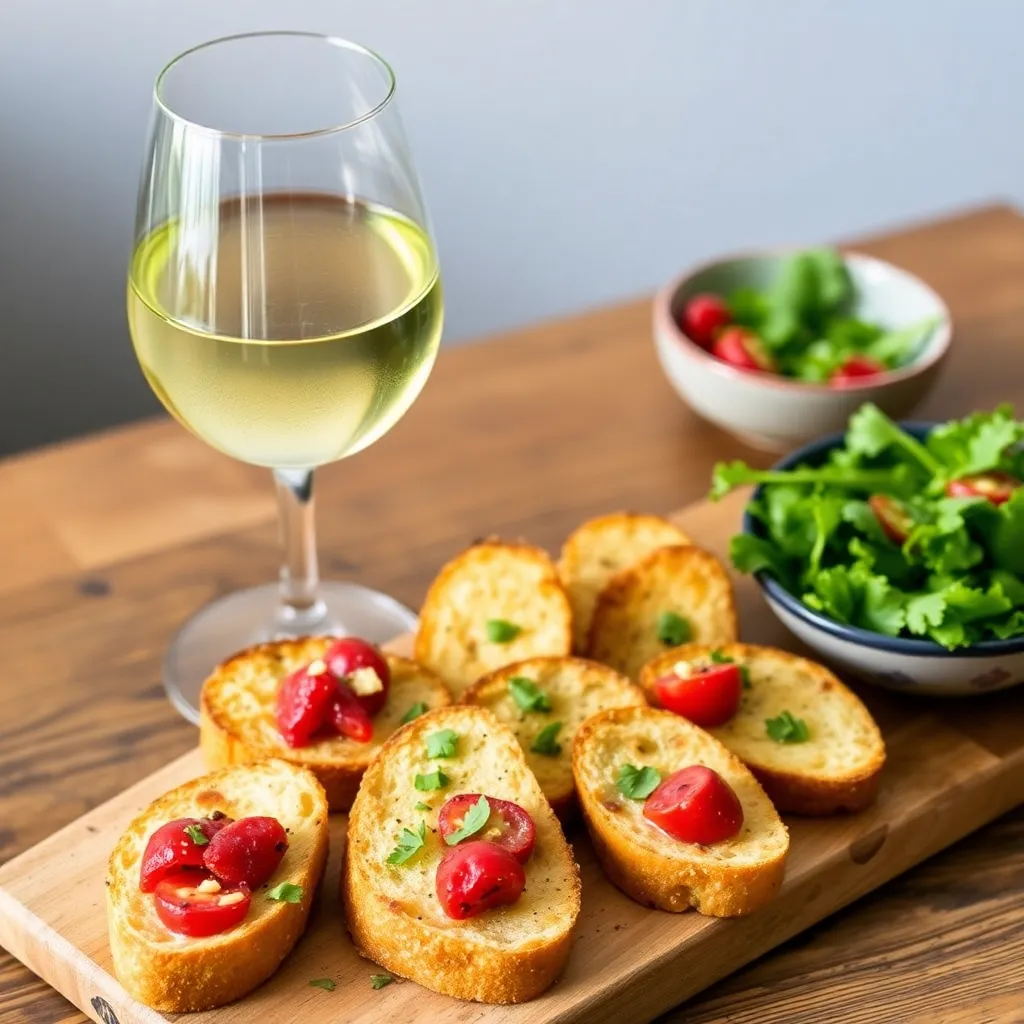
{"x":361,"y":667}
{"x":348,"y":715}
{"x":738,"y":347}
{"x":703,"y":317}
{"x":509,"y":825}
{"x":172,"y":849}
{"x":855,"y":370}
{"x":892,"y":516}
{"x":695,"y":805}
{"x":185,"y":908}
{"x":247,"y":851}
{"x":477,"y":876}
{"x":995,"y":486}
{"x":303,"y":703}
{"x":708,"y":695}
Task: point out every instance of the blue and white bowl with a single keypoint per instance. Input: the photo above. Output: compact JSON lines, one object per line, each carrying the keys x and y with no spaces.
{"x":895,"y":663}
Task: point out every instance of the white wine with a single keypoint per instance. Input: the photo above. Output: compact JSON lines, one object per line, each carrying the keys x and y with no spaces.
{"x":291,"y":336}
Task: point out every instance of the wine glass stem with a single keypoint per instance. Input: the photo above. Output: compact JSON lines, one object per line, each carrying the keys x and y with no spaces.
{"x":301,"y":610}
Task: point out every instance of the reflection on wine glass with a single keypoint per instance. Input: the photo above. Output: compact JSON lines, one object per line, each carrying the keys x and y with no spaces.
{"x":283,"y":298}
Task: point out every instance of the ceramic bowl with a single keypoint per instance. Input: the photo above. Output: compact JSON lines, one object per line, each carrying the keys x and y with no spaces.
{"x":774,"y":413}
{"x":895,"y":663}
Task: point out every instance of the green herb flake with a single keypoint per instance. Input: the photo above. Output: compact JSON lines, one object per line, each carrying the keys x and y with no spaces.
{"x":434,"y":780}
{"x":197,"y":835}
{"x":443,"y":743}
{"x":414,"y":712}
{"x":286,"y":892}
{"x":528,"y":695}
{"x":745,"y":677}
{"x":787,"y":729}
{"x":546,"y":742}
{"x":380,"y":980}
{"x":673,"y":629}
{"x":421,"y":806}
{"x":638,"y":783}
{"x":409,"y":842}
{"x":327,"y":984}
{"x":475,"y":819}
{"x":501,"y":632}
{"x":719,"y":657}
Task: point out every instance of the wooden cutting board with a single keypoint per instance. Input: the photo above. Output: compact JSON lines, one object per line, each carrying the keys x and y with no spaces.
{"x":953,"y":766}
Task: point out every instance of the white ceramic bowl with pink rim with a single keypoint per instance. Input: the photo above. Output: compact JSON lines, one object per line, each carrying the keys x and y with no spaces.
{"x":775,"y":413}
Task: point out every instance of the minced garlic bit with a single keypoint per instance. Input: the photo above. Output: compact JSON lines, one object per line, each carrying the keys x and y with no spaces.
{"x":208,"y":885}
{"x":316,"y":668}
{"x":230,"y":899}
{"x":682,"y":669}
{"x":365,"y":681}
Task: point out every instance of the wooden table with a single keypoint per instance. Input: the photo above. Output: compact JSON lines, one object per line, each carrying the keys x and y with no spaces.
{"x":107,"y":543}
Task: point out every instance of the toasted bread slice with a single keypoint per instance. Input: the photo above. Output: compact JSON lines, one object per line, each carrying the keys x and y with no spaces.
{"x":576,"y":690}
{"x":837,"y":768}
{"x":236,"y":714}
{"x":683,"y":580}
{"x":601,"y":547}
{"x":175,"y":974}
{"x":492,"y":582}
{"x":505,"y":955}
{"x":725,"y":879}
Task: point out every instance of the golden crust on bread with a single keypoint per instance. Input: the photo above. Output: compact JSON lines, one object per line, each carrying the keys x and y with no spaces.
{"x":839,"y":766}
{"x":176,"y":974}
{"x":237,"y":705}
{"x":684,"y":580}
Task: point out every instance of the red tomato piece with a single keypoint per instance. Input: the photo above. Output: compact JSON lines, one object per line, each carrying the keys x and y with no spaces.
{"x":349,"y":717}
{"x":703,"y":317}
{"x":695,"y":805}
{"x":892,"y":516}
{"x":738,"y":347}
{"x":172,"y":849}
{"x":361,"y":667}
{"x":509,"y":825}
{"x":995,"y":486}
{"x":477,"y":876}
{"x":855,"y":370}
{"x":708,"y":696}
{"x":246,"y":852}
{"x":184,"y":908}
{"x":303,"y":703}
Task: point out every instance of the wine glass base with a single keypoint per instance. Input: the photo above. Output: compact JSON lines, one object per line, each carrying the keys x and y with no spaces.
{"x":240,"y":619}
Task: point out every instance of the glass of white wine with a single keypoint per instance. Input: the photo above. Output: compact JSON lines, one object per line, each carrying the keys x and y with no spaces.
{"x":283,"y":298}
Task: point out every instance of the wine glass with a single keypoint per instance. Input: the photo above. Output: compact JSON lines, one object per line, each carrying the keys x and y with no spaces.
{"x":283,"y":298}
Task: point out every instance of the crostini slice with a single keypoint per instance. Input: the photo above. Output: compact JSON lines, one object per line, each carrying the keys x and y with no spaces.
{"x":544,"y":701}
{"x":724,"y":879}
{"x":594,"y":552}
{"x":505,"y":955}
{"x":674,"y":595}
{"x":809,"y":740}
{"x":237,"y":708}
{"x":176,"y":974}
{"x":493,"y":604}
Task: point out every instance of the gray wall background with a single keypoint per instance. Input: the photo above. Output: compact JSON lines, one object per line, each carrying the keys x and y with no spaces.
{"x":572,"y":151}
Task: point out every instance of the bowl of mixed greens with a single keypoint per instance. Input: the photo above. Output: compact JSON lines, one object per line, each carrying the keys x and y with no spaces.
{"x":896,"y":551}
{"x":780,"y":348}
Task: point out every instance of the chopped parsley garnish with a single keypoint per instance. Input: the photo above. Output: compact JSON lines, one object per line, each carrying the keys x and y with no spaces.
{"x":434,"y":780}
{"x":408,"y":843}
{"x":638,"y":783}
{"x":475,"y":819}
{"x":414,"y":712}
{"x":501,"y":632}
{"x":327,"y":984}
{"x":787,"y":729}
{"x":421,"y":806}
{"x":197,"y":835}
{"x":528,"y":695}
{"x":745,"y":677}
{"x":380,"y":980}
{"x":720,"y":658}
{"x":443,"y":743}
{"x":546,"y":742}
{"x":673,"y":629}
{"x":286,"y":892}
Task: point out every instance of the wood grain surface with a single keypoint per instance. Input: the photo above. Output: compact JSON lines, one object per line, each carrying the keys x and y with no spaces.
{"x":107,"y":544}
{"x":950,"y":769}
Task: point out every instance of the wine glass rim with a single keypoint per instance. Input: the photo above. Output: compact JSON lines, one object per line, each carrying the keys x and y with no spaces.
{"x":338,"y":41}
